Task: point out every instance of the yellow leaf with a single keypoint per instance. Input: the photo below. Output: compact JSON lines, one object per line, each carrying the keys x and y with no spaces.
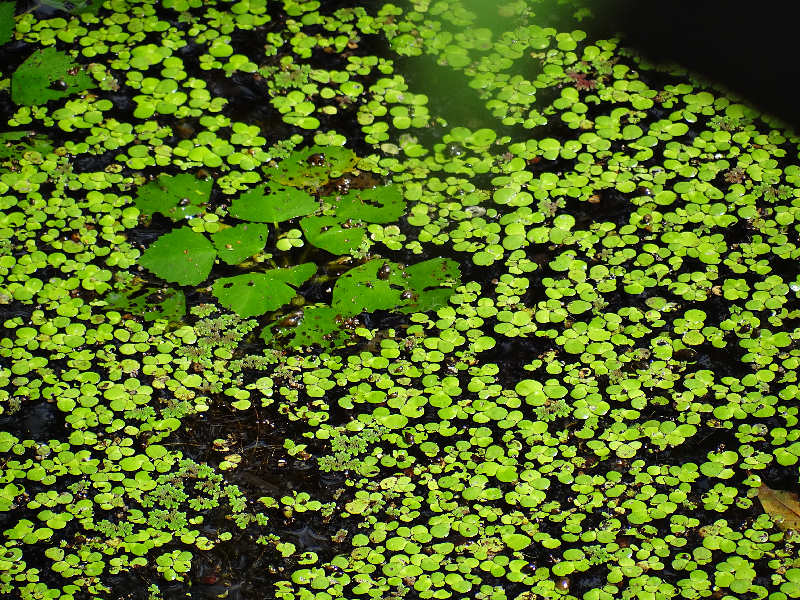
{"x":782,"y":506}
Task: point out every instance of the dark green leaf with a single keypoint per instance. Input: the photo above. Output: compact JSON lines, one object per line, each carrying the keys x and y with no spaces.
{"x":45,"y":76}
{"x":174,"y":196}
{"x":6,"y":21}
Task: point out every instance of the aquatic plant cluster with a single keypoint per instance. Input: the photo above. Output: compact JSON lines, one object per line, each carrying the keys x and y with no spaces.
{"x":279,"y":321}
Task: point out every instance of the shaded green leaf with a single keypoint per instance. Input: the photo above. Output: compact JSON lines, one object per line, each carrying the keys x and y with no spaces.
{"x":376,"y":205}
{"x":425,"y":280}
{"x":34,"y":81}
{"x":174,"y":196}
{"x":362,"y":289}
{"x":235,"y":244}
{"x":253,"y":294}
{"x":15,"y":143}
{"x":329,"y":234}
{"x":151,"y":303}
{"x":6,"y":21}
{"x":273,"y":206}
{"x":312,"y":167}
{"x":181,"y":256}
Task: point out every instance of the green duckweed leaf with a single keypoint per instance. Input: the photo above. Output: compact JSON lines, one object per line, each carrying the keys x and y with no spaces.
{"x":45,"y":76}
{"x":235,"y":244}
{"x":253,"y":294}
{"x":516,"y":541}
{"x":174,"y":196}
{"x":181,"y":256}
{"x":357,"y":506}
{"x":377,"y":205}
{"x":782,"y":506}
{"x":329,"y":234}
{"x":274,"y":206}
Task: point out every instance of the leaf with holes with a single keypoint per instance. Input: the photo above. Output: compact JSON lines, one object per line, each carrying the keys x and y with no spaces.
{"x":375,"y":285}
{"x":235,"y":244}
{"x":431,"y":282}
{"x":181,"y":256}
{"x":376,"y":205}
{"x":47,"y":75}
{"x":312,"y":167}
{"x":16,"y":143}
{"x":272,"y":203}
{"x":151,"y":303}
{"x":174,"y":196}
{"x":253,"y":294}
{"x":319,"y":325}
{"x":329,"y":234}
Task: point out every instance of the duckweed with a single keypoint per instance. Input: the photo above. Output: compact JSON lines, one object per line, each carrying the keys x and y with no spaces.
{"x":371,"y":347}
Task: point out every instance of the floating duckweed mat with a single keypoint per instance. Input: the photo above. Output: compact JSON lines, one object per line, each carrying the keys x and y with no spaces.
{"x":286,"y":317}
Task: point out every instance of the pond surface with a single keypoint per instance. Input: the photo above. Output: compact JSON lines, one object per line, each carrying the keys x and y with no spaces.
{"x":445,"y":299}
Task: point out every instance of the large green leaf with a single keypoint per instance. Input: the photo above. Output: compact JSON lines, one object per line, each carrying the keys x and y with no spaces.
{"x":6,"y":21}
{"x":253,"y":294}
{"x":15,"y":143}
{"x":235,"y":244}
{"x":362,"y":289}
{"x":425,"y":280}
{"x":45,"y":75}
{"x":151,"y":303}
{"x":312,"y":167}
{"x":376,"y":205}
{"x":174,"y":196}
{"x":318,"y":325}
{"x":273,"y":206}
{"x":329,"y":234}
{"x":181,"y":256}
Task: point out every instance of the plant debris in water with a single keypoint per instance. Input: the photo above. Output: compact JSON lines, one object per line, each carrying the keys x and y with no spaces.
{"x":277,"y":324}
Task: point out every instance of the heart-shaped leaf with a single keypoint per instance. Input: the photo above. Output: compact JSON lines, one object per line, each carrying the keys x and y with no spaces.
{"x":235,"y":244}
{"x":182,"y":256}
{"x":271,"y":203}
{"x":376,"y":205}
{"x":329,"y":234}
{"x":371,"y":286}
{"x":174,"y":196}
{"x":253,"y":294}
{"x":312,"y":167}
{"x":47,"y":75}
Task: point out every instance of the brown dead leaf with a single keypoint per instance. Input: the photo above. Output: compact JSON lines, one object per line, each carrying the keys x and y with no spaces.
{"x":782,"y":506}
